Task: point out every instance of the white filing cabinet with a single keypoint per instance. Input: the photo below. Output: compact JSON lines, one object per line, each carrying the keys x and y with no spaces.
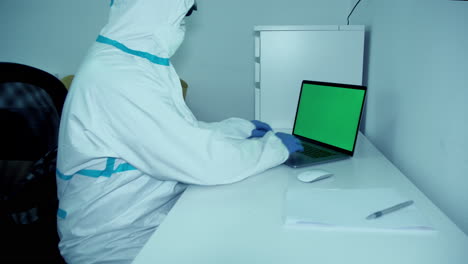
{"x":286,"y":55}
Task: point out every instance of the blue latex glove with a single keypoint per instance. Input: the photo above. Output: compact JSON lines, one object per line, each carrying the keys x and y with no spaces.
{"x":260,"y":130}
{"x":291,"y":142}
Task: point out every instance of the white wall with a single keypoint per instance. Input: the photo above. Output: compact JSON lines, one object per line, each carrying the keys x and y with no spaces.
{"x":216,"y":59}
{"x":417,"y":110}
{"x":52,"y":35}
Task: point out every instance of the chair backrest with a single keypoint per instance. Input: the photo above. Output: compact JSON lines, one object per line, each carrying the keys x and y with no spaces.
{"x":20,"y":73}
{"x":31,"y":101}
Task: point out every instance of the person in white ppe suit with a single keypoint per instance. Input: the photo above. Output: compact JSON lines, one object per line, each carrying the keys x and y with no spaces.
{"x":128,"y":144}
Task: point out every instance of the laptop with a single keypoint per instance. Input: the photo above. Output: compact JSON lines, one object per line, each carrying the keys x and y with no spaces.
{"x":327,"y":122}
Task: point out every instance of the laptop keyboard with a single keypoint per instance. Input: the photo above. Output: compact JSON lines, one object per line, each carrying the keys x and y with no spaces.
{"x":312,"y":151}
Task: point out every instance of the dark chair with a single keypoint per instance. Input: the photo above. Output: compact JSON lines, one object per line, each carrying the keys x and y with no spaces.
{"x":31,"y":102}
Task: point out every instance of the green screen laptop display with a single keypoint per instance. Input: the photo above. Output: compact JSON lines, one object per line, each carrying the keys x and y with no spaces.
{"x":329,"y":114}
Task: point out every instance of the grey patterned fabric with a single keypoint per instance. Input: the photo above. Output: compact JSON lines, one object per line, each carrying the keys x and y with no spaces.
{"x":28,"y":154}
{"x":32,"y":114}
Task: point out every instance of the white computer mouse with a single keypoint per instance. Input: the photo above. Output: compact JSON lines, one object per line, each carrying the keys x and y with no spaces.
{"x":313,"y":175}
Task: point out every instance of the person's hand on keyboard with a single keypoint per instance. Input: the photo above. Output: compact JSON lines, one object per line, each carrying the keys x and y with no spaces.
{"x":291,"y":142}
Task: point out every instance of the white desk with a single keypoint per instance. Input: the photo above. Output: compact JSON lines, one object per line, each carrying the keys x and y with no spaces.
{"x":242,"y":223}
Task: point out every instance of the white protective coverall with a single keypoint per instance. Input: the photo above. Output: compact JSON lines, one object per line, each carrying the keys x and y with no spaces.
{"x":128,"y":144}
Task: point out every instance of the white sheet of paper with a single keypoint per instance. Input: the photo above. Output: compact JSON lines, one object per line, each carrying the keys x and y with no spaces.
{"x":348,"y":209}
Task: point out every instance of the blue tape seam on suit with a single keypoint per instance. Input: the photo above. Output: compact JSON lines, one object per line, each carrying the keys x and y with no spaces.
{"x":107,"y":172}
{"x":111,"y":2}
{"x":153,"y":58}
{"x":62,"y":213}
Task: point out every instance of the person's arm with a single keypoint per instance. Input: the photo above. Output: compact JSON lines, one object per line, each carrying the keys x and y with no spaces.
{"x":231,"y":127}
{"x":155,"y":138}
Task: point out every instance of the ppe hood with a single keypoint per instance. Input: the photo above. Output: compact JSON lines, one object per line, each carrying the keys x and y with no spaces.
{"x":151,"y":26}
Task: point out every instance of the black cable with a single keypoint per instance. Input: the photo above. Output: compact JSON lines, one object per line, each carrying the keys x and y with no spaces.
{"x":357,"y":3}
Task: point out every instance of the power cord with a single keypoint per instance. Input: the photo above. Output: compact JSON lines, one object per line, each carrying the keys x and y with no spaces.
{"x":357,"y":3}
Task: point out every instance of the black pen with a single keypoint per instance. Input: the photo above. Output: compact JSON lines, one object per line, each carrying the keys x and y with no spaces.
{"x":389,"y":210}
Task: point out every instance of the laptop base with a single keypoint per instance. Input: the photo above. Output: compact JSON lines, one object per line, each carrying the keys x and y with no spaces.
{"x":299,"y":160}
